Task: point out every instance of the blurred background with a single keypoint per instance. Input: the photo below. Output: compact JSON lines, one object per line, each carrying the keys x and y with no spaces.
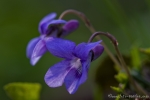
{"x":127,"y":20}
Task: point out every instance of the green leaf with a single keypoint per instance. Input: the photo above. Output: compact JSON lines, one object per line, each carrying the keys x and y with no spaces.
{"x":135,"y":58}
{"x":23,"y":91}
{"x":117,"y":68}
{"x":116,"y":89}
{"x":120,"y":89}
{"x":118,"y":97}
{"x":121,"y":77}
{"x":145,"y":51}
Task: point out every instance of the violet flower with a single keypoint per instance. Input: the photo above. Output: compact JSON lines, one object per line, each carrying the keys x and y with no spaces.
{"x":48,"y":27}
{"x":73,"y":70}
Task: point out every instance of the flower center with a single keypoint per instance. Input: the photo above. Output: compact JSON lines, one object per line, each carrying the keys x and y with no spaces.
{"x":76,"y":63}
{"x":51,"y":30}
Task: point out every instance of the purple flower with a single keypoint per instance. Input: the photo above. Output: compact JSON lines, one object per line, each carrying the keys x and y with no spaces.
{"x":48,"y":27}
{"x":73,"y":70}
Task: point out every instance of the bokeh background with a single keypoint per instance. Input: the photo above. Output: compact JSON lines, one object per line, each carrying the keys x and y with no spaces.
{"x":128,"y":20}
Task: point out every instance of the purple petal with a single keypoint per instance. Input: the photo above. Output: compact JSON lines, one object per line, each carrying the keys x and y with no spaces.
{"x":46,"y":27}
{"x":85,"y":68}
{"x":97,"y":51}
{"x":72,"y":81}
{"x":59,"y":21}
{"x":69,"y":27}
{"x":60,"y":48}
{"x":38,"y":51}
{"x":31,"y":46}
{"x":46,"y":19}
{"x":78,"y":74}
{"x":82,"y":50}
{"x":56,"y":74}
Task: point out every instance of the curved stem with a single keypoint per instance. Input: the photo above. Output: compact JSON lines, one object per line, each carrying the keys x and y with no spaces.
{"x":137,"y":87}
{"x":81,"y":16}
{"x":91,"y":28}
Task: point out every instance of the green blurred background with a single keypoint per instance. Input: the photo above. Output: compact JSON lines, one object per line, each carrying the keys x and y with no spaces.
{"x":128,"y":20}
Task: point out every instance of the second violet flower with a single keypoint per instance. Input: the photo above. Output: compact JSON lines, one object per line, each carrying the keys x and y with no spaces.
{"x":48,"y":27}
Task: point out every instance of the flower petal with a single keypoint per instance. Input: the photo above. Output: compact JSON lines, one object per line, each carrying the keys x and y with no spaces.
{"x":97,"y":51}
{"x":46,"y":19}
{"x":82,"y":50}
{"x":60,"y":48}
{"x":31,"y":45}
{"x":46,"y":27}
{"x":53,"y":28}
{"x":55,"y":22}
{"x":77,"y":75}
{"x":86,"y":65}
{"x":69,"y":27}
{"x":38,"y":51}
{"x":56,"y":74}
{"x":72,"y":81}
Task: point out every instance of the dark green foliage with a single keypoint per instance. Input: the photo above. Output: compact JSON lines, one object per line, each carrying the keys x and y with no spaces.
{"x":106,"y":76}
{"x":139,"y":69}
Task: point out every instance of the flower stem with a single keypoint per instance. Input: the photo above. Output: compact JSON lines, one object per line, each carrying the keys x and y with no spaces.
{"x":136,"y":86}
{"x":91,"y":28}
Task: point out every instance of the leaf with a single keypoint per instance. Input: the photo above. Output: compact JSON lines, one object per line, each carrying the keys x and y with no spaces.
{"x":118,"y":97}
{"x":135,"y":58}
{"x":116,"y":89}
{"x":23,"y":91}
{"x":121,"y":77}
{"x":145,"y":51}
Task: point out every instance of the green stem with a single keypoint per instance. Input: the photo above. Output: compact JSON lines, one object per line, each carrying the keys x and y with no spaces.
{"x":136,"y":86}
{"x":91,"y":28}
